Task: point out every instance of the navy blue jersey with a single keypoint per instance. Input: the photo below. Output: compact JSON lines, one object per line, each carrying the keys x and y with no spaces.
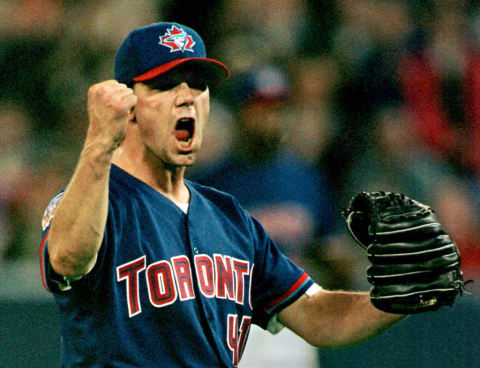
{"x":170,"y":289}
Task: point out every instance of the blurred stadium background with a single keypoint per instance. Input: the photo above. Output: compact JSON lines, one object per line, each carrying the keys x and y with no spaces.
{"x":370,"y":95}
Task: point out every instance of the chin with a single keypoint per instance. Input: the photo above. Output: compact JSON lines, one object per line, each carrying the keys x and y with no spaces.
{"x":187,"y":159}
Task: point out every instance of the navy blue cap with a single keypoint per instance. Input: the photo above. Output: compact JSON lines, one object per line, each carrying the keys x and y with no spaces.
{"x":262,"y":84}
{"x":157,"y":48}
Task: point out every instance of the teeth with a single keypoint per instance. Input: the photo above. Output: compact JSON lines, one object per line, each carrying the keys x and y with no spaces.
{"x":185,"y":143}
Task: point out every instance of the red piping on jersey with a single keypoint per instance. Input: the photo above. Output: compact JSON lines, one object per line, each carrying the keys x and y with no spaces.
{"x":289,"y":292}
{"x":42,"y":271}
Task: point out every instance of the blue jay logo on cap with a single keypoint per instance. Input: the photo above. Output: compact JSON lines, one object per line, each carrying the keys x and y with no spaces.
{"x":176,"y":39}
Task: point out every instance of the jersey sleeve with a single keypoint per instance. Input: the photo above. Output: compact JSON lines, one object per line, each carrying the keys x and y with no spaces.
{"x":277,"y":282}
{"x":51,"y":281}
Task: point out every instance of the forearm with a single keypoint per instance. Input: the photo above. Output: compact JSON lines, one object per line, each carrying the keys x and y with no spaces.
{"x":76,"y":232}
{"x":356,"y":318}
{"x":335,"y":319}
{"x":77,"y":229}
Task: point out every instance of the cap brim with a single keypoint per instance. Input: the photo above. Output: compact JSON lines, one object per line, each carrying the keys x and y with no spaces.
{"x":214,"y":70}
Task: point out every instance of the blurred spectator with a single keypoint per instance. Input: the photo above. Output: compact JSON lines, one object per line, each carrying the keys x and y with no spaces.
{"x":286,"y":194}
{"x":440,"y":80}
{"x":367,"y":46}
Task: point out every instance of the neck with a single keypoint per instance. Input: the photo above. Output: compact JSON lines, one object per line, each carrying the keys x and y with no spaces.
{"x":166,"y":179}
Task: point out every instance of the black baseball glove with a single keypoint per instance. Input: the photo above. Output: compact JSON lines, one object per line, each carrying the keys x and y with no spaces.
{"x":415,"y":265}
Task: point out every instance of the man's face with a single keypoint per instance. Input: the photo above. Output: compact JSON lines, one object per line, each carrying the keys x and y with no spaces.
{"x":172,"y":111}
{"x":262,"y":125}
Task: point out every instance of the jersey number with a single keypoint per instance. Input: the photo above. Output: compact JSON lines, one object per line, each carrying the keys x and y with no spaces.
{"x":237,"y":336}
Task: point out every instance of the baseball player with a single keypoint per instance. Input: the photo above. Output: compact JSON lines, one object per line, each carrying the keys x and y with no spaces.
{"x":149,"y":269}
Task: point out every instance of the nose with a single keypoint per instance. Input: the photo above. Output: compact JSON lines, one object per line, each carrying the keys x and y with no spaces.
{"x":185,"y":95}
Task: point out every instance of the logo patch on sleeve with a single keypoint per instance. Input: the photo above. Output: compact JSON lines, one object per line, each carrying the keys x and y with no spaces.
{"x":50,"y":211}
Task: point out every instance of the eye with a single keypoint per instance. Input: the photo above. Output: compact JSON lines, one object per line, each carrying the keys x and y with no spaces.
{"x":174,"y":78}
{"x":164,"y":85}
{"x":196,"y":83}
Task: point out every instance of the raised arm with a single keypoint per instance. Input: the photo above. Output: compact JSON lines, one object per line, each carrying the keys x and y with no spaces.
{"x":76,"y":232}
{"x":336,"y":318}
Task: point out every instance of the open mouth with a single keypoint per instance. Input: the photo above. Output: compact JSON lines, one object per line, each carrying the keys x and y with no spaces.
{"x":184,"y":130}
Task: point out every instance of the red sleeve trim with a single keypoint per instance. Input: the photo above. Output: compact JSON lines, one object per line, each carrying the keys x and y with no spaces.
{"x":297,"y":285}
{"x":43,"y":266}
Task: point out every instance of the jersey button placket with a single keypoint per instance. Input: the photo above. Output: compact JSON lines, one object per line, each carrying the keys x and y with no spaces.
{"x":208,"y":315}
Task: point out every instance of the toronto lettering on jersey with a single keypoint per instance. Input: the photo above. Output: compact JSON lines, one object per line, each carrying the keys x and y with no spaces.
{"x":222,"y":277}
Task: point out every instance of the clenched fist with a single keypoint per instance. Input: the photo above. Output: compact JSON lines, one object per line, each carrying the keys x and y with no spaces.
{"x":110,"y":106}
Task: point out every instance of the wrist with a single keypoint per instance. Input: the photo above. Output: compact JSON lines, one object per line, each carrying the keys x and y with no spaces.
{"x":98,"y":156}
